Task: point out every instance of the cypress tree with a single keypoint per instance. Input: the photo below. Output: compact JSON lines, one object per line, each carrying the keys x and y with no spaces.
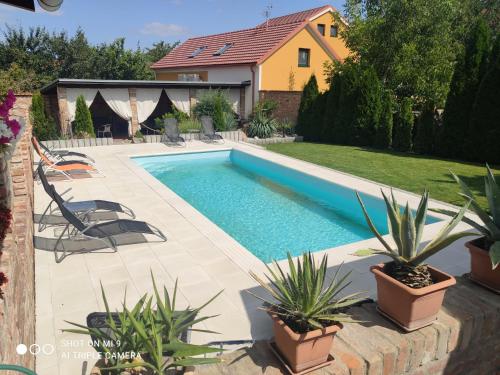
{"x":316,"y":118}
{"x":309,"y":95}
{"x":468,"y":72}
{"x":403,"y":127}
{"x":485,"y":117}
{"x":331,"y":109}
{"x":425,"y":131}
{"x":44,"y":128}
{"x":383,"y":138}
{"x":83,"y":125}
{"x":368,"y":106}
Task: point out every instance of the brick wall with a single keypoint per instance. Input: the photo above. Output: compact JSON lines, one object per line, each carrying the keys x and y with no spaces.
{"x":463,"y":341}
{"x":17,"y":309}
{"x":288,"y":103}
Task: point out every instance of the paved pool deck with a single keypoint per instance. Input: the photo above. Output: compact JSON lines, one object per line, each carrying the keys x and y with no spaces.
{"x":202,"y":257}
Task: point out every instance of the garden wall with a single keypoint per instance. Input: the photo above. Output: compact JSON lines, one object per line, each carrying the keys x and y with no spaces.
{"x":288,"y":103}
{"x":17,"y":308}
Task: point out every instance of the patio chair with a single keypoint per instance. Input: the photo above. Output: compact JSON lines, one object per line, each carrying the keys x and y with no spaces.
{"x":81,"y":209}
{"x":208,"y":130}
{"x":61,"y":154}
{"x":63,"y":166}
{"x":103,"y":130}
{"x":171,"y":133}
{"x":103,"y":232}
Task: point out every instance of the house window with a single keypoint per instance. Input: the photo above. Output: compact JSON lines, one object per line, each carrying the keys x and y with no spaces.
{"x":197,"y":51}
{"x":189,"y":77}
{"x":223,"y":49}
{"x":334,"y":31}
{"x":304,"y":57}
{"x":321,"y":29}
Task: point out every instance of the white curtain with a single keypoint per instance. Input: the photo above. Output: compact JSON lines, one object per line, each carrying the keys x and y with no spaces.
{"x":234,"y":99}
{"x":147,"y":100}
{"x":73,"y":93}
{"x":180,"y":98}
{"x":119,"y":101}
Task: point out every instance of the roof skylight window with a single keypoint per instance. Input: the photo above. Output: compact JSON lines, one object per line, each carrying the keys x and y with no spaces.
{"x":197,"y":51}
{"x":223,"y":49}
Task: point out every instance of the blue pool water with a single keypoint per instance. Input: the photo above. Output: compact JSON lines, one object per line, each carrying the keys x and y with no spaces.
{"x":268,"y":208}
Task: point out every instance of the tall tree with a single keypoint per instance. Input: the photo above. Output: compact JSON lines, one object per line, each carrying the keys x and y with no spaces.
{"x":410,"y":43}
{"x":159,"y":50}
{"x":44,"y":127}
{"x":425,"y":131}
{"x":469,"y":70}
{"x":403,"y":126}
{"x":309,"y":95}
{"x":83,"y":125}
{"x":485,"y":116}
{"x":383,"y":137}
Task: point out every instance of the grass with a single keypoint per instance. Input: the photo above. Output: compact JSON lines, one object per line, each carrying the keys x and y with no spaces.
{"x":404,"y":171}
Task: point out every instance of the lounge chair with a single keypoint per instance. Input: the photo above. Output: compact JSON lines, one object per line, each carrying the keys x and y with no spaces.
{"x":63,"y":166}
{"x":61,"y":154}
{"x":103,"y":232}
{"x":208,"y":130}
{"x":81,"y":209}
{"x":171,"y":132}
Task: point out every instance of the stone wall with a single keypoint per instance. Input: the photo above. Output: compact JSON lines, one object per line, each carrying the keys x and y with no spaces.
{"x":17,"y":309}
{"x":463,"y":341}
{"x":288,"y":103}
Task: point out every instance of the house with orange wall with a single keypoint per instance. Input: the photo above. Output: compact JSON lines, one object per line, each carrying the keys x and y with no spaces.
{"x":277,"y":57}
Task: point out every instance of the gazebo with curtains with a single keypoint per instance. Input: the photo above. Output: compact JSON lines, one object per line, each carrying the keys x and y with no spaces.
{"x":132,"y":102}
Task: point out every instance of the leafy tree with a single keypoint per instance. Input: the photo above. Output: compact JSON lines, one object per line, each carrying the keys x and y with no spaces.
{"x":83,"y":125}
{"x":403,"y":127}
{"x":485,"y":116}
{"x":159,"y":51}
{"x":383,"y":137}
{"x":469,"y":70}
{"x":410,"y":43}
{"x":309,"y":95}
{"x":425,"y":131}
{"x":44,"y":128}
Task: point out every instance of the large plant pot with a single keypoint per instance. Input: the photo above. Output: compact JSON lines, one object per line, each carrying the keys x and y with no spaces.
{"x":410,"y":308}
{"x":480,"y":266}
{"x":306,"y":350}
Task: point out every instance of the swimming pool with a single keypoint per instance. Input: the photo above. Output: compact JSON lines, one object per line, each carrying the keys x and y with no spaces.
{"x":268,"y":208}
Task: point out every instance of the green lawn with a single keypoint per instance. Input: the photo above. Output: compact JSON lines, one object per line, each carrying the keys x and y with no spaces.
{"x":408,"y":172}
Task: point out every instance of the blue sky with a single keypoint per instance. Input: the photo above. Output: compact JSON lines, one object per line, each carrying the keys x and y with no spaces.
{"x":149,"y":21}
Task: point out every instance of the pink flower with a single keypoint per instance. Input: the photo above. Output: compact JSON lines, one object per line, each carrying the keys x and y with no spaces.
{"x":14,"y":126}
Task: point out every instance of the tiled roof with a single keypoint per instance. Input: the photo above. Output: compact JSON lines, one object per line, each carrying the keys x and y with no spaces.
{"x":248,"y":46}
{"x":295,"y":17}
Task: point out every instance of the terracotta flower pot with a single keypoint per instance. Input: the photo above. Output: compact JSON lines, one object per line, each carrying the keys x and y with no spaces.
{"x":303,"y":350}
{"x":480,"y":266}
{"x":410,"y":308}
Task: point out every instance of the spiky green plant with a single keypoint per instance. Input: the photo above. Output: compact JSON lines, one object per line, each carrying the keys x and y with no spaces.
{"x":406,"y":231}
{"x":304,"y":298}
{"x":491,"y":221}
{"x":153,"y":334}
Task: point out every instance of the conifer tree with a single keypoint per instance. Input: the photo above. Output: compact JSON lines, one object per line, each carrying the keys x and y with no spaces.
{"x":83,"y":125}
{"x":402,"y":139}
{"x":425,"y":131}
{"x":309,"y":95}
{"x":329,"y":132}
{"x":44,"y":128}
{"x":383,"y":138}
{"x":469,"y":70}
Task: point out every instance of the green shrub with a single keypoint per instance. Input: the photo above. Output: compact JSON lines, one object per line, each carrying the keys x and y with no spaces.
{"x":268,"y":106}
{"x":403,"y":127}
{"x":83,"y":125}
{"x":261,"y":126}
{"x":304,"y":119}
{"x":214,"y":103}
{"x":426,"y":130}
{"x":44,"y":127}
{"x":383,"y":136}
{"x":138,"y":134}
{"x":285,"y":127}
{"x":189,"y":124}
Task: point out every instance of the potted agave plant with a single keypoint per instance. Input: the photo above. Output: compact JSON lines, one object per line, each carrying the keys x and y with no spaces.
{"x":306,"y":310}
{"x":484,"y":251}
{"x":410,"y":292}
